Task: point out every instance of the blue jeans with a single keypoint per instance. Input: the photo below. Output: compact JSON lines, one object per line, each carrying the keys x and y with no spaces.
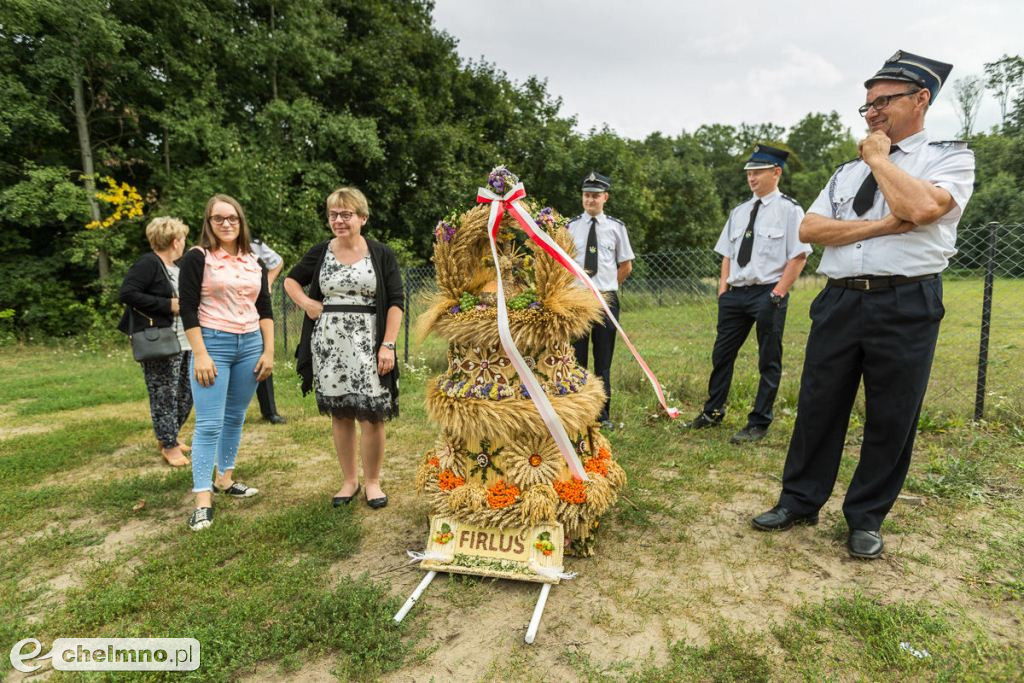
{"x":220,"y":408}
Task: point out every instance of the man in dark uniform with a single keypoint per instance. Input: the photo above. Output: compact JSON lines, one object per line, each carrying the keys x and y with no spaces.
{"x":762,"y":257}
{"x":603,"y":250}
{"x":265,"y":389}
{"x":888,"y":222}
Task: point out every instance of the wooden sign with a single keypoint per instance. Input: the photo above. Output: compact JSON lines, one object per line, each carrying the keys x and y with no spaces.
{"x":524,"y":554}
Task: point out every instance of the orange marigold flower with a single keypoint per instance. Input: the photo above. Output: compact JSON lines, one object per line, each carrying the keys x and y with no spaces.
{"x":571,"y":491}
{"x":604,"y":454}
{"x":433,"y":462}
{"x":448,"y":480}
{"x":597,"y":465}
{"x":501,"y":495}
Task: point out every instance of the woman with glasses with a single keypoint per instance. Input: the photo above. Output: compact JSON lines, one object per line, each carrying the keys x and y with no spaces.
{"x":347,"y":349}
{"x":225,"y":307}
{"x":150,"y":295}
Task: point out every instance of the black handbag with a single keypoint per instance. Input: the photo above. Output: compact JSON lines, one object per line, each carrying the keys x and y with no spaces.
{"x":153,"y":343}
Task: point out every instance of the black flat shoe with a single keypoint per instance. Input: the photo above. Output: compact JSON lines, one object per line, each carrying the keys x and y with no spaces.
{"x":780,"y":519}
{"x":703,"y":421}
{"x":275,"y":419}
{"x":749,"y":434}
{"x":338,"y":501}
{"x":377,"y":503}
{"x":866,"y":545}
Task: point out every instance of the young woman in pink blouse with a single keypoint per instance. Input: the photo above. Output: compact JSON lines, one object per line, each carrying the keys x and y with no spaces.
{"x":225,"y":308}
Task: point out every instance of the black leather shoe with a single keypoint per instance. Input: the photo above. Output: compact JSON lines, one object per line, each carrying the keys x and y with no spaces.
{"x":338,"y":501}
{"x":703,"y":421}
{"x":780,"y":519}
{"x":864,"y":544}
{"x":377,"y":503}
{"x":749,"y":434}
{"x":275,"y":419}
{"x":608,"y":425}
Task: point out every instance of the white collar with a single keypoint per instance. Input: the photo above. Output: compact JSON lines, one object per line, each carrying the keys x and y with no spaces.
{"x":912,"y":143}
{"x":768,"y":198}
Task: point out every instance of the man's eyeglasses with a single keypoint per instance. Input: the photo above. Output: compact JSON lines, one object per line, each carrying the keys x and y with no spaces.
{"x":221,"y":220}
{"x":340,"y":216}
{"x":882,"y":102}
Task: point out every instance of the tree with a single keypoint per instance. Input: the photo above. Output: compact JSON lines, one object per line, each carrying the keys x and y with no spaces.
{"x":967,"y":92}
{"x":1002,"y":77}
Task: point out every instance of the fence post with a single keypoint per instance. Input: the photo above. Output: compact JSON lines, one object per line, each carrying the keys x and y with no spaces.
{"x":284,"y":317}
{"x":986,"y":320}
{"x":408,"y":314}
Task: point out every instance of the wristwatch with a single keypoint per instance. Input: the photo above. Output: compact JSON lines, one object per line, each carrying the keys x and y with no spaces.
{"x":388,"y":345}
{"x":776,"y":299}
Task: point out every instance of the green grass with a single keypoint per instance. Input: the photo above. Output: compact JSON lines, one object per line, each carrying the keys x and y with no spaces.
{"x":269,"y":588}
{"x":892,"y":641}
{"x":29,"y":459}
{"x":251,"y":591}
{"x":47,"y":380}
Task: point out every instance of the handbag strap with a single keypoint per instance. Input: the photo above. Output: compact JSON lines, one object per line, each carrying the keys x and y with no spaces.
{"x":131,"y":318}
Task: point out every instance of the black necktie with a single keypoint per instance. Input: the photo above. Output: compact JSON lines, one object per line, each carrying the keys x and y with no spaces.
{"x":747,"y":245}
{"x":590,"y":258}
{"x":865,"y":196}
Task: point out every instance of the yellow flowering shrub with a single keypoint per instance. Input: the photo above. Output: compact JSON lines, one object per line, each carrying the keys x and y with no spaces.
{"x":125,"y":200}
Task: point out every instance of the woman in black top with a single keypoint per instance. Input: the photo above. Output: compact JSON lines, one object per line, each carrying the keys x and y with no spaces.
{"x":150,"y":295}
{"x":347,"y":349}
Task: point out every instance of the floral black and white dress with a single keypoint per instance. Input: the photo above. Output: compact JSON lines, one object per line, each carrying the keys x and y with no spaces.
{"x":344,"y":355}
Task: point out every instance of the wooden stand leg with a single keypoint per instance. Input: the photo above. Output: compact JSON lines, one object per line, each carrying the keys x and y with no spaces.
{"x":531,"y":632}
{"x":415,"y":596}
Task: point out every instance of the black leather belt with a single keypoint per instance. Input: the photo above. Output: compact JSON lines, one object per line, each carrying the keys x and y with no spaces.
{"x":870,"y":283}
{"x":348,"y":308}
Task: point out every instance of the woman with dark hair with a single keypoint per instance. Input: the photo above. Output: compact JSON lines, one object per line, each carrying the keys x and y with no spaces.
{"x":150,"y":295}
{"x":225,"y":308}
{"x":347,"y":349}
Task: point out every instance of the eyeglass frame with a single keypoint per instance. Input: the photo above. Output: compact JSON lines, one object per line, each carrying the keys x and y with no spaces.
{"x":221,"y":220}
{"x":873,"y":104}
{"x":341,"y":215}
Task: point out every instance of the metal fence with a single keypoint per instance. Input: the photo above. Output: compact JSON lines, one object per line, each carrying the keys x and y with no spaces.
{"x":669,"y":310}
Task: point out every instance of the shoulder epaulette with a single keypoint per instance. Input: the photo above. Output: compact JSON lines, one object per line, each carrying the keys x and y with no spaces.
{"x":613,"y":218}
{"x":787,"y":197}
{"x":950,"y":144}
{"x":575,"y":218}
{"x":845,"y":163}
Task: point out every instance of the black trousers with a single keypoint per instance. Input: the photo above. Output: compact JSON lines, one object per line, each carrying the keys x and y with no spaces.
{"x":739,"y":309}
{"x":265,"y":395}
{"x":887,"y":337}
{"x":603,"y":336}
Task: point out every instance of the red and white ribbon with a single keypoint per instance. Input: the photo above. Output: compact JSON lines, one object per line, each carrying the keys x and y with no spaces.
{"x":510,"y":203}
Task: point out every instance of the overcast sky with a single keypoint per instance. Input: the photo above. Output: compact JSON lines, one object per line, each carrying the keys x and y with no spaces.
{"x":647,"y":65}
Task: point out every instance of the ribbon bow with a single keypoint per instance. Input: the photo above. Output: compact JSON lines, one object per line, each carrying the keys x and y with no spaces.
{"x":509,"y":203}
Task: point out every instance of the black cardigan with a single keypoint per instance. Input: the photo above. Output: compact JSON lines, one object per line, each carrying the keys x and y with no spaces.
{"x":190,"y":287}
{"x":146,"y":289}
{"x":389,"y":293}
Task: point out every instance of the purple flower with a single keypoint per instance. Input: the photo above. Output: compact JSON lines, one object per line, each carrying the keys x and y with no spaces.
{"x":501,"y":179}
{"x":454,"y":309}
{"x":535,"y":304}
{"x":444,"y":231}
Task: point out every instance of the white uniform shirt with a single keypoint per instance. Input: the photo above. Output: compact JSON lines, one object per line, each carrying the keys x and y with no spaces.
{"x":612,"y":247}
{"x":776,"y":239}
{"x":925,"y":249}
{"x":271,"y":259}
